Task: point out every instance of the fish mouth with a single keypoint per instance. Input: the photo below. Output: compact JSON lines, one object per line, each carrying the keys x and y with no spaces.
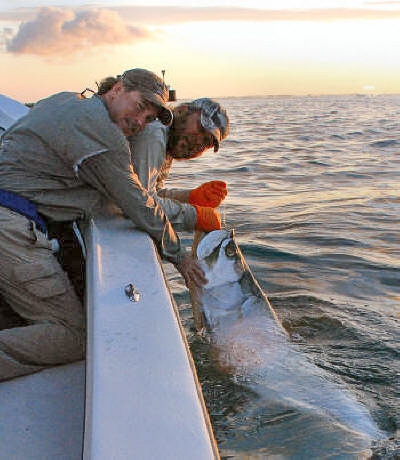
{"x":210,"y":241}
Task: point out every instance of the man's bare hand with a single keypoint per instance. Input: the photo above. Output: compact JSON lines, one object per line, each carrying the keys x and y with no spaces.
{"x":190,"y":269}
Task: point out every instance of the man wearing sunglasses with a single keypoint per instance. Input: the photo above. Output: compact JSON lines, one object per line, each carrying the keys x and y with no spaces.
{"x":197,"y":126}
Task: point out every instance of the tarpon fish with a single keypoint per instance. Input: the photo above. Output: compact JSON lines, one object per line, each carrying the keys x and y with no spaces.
{"x":248,"y":341}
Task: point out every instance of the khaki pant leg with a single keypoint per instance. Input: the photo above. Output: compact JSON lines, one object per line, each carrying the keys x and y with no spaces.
{"x":36,"y":287}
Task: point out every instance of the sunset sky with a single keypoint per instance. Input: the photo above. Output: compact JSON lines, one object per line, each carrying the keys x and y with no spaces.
{"x":212,"y":48}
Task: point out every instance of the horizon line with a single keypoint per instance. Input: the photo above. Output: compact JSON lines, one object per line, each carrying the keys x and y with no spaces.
{"x":254,"y":96}
{"x":300,"y":95}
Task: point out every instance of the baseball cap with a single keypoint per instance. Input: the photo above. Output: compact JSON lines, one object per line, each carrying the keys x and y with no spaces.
{"x":214,"y":119}
{"x":152,"y":88}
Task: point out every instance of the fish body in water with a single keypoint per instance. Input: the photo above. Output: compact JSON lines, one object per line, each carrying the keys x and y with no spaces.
{"x":250,"y":343}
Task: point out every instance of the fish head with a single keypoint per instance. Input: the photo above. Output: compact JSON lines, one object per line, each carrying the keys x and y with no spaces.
{"x":220,"y":258}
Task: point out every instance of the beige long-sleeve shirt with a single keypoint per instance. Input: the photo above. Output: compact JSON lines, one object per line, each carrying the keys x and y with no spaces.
{"x":67,"y":156}
{"x":152,"y":165}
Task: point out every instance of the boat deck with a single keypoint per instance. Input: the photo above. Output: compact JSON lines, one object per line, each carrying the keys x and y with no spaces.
{"x":42,"y":415}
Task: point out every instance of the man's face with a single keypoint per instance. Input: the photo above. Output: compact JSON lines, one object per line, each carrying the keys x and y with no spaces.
{"x":188,"y":139}
{"x":129,"y":110}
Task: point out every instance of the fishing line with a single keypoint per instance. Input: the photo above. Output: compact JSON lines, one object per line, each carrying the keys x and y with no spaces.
{"x":223,"y":215}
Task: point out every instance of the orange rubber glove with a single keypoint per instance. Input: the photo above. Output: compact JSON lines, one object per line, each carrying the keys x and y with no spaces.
{"x":209,"y":194}
{"x":208,"y":219}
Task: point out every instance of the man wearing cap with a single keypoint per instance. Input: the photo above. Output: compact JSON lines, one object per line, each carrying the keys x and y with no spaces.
{"x":197,"y":126}
{"x":57,"y":164}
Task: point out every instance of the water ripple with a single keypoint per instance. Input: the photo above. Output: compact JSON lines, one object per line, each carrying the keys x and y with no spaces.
{"x":314,"y":197}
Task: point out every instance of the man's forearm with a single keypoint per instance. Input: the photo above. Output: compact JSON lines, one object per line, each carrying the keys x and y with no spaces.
{"x":175,"y":194}
{"x":182,"y":216}
{"x":124,"y":188}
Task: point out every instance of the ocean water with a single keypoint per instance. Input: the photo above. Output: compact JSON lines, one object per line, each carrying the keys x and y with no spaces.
{"x":314,"y":197}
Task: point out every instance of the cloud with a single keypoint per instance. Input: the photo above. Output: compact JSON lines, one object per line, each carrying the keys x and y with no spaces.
{"x":5,"y":35}
{"x":58,"y":31}
{"x":158,"y":15}
{"x":18,"y":14}
{"x":384,"y":3}
{"x":170,"y":14}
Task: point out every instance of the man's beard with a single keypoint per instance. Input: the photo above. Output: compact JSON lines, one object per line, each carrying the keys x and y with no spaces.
{"x":181,"y":148}
{"x":172,"y":144}
{"x":175,"y":139}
